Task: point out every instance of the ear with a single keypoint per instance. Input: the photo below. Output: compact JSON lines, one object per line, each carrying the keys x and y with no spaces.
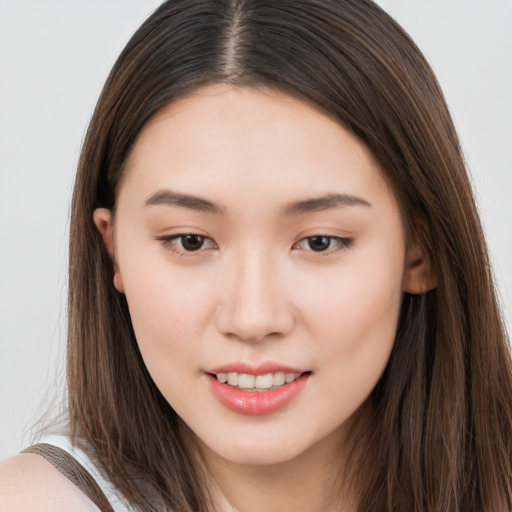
{"x":103,"y":219}
{"x":419,"y":277}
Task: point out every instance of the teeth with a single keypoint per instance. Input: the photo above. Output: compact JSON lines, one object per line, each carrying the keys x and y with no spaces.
{"x":266,"y":381}
{"x":246,"y":381}
{"x":279,"y":378}
{"x":233,"y":379}
{"x":290,"y":377}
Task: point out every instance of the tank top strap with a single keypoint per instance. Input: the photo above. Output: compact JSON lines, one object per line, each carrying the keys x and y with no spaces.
{"x":76,"y":465}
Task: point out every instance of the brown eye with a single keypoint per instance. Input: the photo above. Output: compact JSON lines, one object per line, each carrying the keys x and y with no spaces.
{"x":187,"y":243}
{"x":319,"y":243}
{"x":323,"y":243}
{"x":192,"y":242}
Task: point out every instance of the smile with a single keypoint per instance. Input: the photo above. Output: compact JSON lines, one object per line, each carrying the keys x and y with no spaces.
{"x":256,"y":393}
{"x":257,"y":382}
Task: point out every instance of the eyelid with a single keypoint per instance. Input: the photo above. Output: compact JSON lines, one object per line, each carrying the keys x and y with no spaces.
{"x":341,"y":243}
{"x":169,"y":242}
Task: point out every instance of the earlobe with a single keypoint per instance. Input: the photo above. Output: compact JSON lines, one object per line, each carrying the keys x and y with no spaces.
{"x":419,"y":277}
{"x":103,"y":219}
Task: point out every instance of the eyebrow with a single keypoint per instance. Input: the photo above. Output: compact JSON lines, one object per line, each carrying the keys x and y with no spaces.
{"x":324,"y":203}
{"x":171,"y":198}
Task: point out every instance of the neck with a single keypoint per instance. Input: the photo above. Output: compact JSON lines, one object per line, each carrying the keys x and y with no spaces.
{"x":308,"y":483}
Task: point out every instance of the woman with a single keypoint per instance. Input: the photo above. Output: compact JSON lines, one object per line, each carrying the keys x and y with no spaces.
{"x":280,"y":296}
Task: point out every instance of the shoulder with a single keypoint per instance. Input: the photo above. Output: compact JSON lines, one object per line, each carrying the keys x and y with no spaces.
{"x":28,"y":482}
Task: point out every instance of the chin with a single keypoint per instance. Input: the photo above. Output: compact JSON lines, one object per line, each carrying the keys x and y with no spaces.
{"x":257,"y":455}
{"x":267,"y":446}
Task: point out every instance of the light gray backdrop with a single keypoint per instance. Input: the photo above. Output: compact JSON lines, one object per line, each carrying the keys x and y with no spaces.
{"x":54,"y":57}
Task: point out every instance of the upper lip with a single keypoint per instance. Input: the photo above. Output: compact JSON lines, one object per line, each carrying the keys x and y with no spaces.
{"x":255,"y":369}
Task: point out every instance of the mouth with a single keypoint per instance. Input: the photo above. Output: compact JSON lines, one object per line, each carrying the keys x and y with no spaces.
{"x":256,"y":383}
{"x":256,"y":393}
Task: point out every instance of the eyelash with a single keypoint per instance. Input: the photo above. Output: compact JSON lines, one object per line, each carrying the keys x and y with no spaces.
{"x":169,"y":242}
{"x":336,"y":243}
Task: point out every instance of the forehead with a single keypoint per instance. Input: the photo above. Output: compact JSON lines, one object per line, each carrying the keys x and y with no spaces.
{"x":222,"y":137}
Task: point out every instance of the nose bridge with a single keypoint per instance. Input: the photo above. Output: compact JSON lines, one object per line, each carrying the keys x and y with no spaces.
{"x":255,"y":304}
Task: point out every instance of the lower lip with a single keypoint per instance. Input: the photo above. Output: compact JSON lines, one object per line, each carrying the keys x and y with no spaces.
{"x":256,"y":403}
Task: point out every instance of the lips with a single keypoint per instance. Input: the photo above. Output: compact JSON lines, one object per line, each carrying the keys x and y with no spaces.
{"x":255,"y":391}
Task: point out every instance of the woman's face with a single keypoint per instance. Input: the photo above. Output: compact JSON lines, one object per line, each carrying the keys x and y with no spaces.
{"x":256,"y":241}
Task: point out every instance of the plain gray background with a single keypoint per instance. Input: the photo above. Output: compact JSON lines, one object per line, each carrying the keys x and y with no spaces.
{"x":54,"y":58}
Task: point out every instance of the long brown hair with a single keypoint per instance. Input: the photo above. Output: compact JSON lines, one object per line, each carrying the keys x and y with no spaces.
{"x":440,"y":435}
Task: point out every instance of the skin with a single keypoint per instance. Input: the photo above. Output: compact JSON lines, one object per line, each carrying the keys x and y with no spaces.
{"x":29,"y":483}
{"x":255,"y":291}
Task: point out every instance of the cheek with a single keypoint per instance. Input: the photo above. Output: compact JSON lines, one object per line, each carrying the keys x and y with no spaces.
{"x":352,"y":333}
{"x":168,"y":309}
{"x":357,"y":320}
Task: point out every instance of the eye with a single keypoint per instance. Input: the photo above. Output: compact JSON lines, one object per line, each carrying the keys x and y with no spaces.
{"x":323,"y":243}
{"x":185,"y":243}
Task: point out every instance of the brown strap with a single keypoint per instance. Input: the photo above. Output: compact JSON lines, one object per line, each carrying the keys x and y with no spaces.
{"x":74,"y":471}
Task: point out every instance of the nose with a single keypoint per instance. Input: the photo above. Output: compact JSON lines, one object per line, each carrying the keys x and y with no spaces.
{"x":256,"y":304}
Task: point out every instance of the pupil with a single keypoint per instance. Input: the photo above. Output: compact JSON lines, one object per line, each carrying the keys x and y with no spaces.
{"x":192,"y":242}
{"x":319,"y":243}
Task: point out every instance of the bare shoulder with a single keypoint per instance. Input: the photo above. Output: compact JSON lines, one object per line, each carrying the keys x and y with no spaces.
{"x":28,"y":482}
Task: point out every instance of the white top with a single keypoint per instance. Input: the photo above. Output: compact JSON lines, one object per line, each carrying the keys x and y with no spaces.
{"x":118,"y":502}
